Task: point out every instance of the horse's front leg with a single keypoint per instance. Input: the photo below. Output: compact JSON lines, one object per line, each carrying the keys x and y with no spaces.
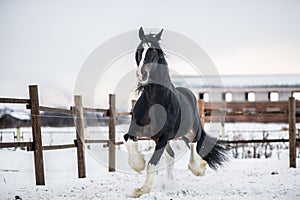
{"x":136,"y":160}
{"x":169,"y":156}
{"x":151,"y":170}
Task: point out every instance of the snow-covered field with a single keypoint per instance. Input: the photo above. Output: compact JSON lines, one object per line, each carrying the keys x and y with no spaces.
{"x":240,"y":178}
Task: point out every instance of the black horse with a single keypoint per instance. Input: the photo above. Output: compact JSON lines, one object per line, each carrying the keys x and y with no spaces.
{"x":163,"y":113}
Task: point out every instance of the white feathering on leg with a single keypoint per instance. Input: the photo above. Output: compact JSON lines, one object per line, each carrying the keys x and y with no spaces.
{"x":170,"y":165}
{"x":196,"y":165}
{"x":136,"y":160}
{"x":146,"y":188}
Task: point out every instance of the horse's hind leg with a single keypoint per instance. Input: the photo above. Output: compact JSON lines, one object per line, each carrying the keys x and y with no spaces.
{"x":196,"y":164}
{"x":169,"y":156}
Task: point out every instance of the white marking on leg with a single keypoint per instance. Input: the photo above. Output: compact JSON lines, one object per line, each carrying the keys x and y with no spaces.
{"x":196,"y":165}
{"x":146,"y":188}
{"x":136,"y":160}
{"x":170,"y":165}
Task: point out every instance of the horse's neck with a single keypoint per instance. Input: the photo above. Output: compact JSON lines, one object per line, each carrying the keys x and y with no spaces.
{"x":156,"y":89}
{"x":159,"y":89}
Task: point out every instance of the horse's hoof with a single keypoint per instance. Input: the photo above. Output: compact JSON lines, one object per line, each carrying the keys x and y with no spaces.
{"x":198,"y":170}
{"x":140,"y":191}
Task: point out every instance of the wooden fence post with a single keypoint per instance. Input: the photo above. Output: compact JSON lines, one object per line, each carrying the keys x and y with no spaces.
{"x":112,"y":133}
{"x":79,"y":123}
{"x":201,"y":111}
{"x":18,"y":132}
{"x":36,"y":135}
{"x":292,"y":131}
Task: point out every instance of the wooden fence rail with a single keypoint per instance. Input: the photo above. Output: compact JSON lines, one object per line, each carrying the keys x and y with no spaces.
{"x":56,"y":110}
{"x":16,"y":144}
{"x":77,"y":111}
{"x":14,"y":101}
{"x":260,"y":111}
{"x":256,"y":141}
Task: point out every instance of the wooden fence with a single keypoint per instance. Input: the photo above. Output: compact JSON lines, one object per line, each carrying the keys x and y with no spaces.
{"x":258,"y":112}
{"x":77,"y":111}
{"x":233,"y":112}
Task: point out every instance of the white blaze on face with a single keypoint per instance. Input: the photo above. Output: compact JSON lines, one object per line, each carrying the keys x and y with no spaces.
{"x":139,"y":69}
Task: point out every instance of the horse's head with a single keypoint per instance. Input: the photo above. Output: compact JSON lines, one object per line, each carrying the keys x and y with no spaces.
{"x":152,"y":66}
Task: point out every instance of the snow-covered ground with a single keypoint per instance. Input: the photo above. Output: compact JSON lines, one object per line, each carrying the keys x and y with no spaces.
{"x":240,"y":178}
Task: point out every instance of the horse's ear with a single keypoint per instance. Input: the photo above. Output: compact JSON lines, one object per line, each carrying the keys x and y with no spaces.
{"x":158,"y":35}
{"x":141,"y":34}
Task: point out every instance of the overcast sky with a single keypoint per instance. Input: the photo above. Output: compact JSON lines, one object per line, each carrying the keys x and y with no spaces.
{"x":47,"y":42}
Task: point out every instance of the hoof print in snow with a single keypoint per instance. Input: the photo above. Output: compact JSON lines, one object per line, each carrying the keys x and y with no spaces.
{"x":274,"y":173}
{"x":18,"y":197}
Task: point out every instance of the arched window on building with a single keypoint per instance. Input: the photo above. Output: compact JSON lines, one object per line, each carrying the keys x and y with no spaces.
{"x":204,"y":96}
{"x":250,"y":96}
{"x":273,"y":96}
{"x":227,"y":96}
{"x":296,"y":95}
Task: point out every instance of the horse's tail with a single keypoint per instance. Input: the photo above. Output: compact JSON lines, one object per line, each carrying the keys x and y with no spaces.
{"x":212,"y":151}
